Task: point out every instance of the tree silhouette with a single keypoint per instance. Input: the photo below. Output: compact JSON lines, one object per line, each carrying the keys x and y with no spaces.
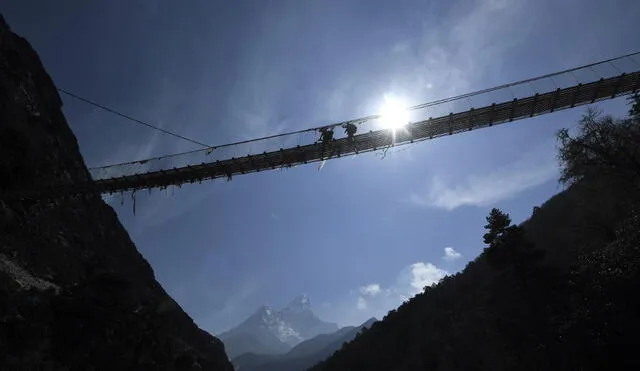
{"x":604,"y":146}
{"x":497,"y":223}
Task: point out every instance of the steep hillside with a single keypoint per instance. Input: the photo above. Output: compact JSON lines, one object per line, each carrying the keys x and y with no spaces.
{"x":557,"y":292}
{"x":75,"y":294}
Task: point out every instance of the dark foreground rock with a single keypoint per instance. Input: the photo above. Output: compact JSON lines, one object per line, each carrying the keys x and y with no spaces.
{"x":75,"y":294}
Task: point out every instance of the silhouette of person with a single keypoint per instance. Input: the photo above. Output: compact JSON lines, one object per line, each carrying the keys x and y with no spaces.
{"x":326,"y":135}
{"x":350,"y":129}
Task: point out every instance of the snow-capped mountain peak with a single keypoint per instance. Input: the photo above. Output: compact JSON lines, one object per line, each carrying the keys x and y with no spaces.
{"x":290,"y":326}
{"x":300,"y":303}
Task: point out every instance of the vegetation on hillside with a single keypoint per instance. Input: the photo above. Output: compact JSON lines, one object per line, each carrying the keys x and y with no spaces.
{"x":558,"y":291}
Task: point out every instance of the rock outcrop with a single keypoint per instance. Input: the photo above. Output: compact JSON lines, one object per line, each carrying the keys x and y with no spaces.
{"x":75,"y":294}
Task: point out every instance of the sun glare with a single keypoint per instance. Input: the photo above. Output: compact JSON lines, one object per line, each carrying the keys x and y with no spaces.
{"x":393,"y":114}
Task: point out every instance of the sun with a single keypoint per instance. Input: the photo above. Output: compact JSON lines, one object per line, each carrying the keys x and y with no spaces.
{"x":393,"y":114}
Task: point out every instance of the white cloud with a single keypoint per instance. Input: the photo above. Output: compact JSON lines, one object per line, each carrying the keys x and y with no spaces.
{"x":371,"y":290}
{"x":359,"y":304}
{"x":362,"y":304}
{"x":425,"y":274}
{"x":450,"y":254}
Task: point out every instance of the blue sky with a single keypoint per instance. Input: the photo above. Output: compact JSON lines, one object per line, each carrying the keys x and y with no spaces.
{"x":364,"y":233}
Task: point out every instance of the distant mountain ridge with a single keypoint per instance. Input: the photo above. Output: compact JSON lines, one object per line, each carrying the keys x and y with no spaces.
{"x":269,"y":331}
{"x":302,"y":356}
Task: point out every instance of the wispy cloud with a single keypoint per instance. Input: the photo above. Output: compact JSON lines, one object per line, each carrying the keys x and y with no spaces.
{"x":447,"y":61}
{"x":163,"y":206}
{"x":362,"y":304}
{"x":371,"y":290}
{"x":483,"y":190}
{"x":533,"y":169}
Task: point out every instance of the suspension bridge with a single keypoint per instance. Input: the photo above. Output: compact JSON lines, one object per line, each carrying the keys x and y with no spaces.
{"x":562,"y":90}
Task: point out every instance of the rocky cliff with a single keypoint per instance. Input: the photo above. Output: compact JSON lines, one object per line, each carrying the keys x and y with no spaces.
{"x":75,"y":294}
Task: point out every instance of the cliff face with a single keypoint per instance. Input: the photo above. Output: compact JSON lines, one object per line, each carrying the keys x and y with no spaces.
{"x":75,"y":294}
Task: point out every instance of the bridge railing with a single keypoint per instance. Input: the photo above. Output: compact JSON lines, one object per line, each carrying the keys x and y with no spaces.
{"x":439,"y":108}
{"x":453,"y":123}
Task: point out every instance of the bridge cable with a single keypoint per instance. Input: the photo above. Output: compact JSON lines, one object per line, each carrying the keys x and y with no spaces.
{"x":110,"y":110}
{"x":521,"y":82}
{"x":614,"y":66}
{"x":575,"y":78}
{"x":377,"y":116}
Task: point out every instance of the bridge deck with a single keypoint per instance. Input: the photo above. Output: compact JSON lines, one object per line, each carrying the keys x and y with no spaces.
{"x":428,"y":129}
